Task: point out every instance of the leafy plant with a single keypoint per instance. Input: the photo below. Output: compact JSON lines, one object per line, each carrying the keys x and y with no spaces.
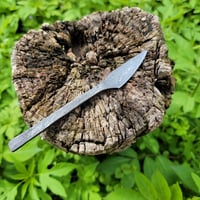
{"x":162,"y":165}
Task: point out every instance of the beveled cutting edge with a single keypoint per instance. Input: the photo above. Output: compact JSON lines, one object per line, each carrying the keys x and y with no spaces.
{"x":116,"y":79}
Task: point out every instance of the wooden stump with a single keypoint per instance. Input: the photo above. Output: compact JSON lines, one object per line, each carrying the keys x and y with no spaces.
{"x":57,"y":63}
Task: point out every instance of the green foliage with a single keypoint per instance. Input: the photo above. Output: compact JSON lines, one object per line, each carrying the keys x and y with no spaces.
{"x":162,"y":165}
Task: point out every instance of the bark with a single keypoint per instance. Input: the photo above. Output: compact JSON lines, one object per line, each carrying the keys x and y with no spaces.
{"x":58,"y":62}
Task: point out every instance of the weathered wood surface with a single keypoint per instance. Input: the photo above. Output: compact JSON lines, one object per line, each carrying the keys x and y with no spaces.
{"x":55,"y":64}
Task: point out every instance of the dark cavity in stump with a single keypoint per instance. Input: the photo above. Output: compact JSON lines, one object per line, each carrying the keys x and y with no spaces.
{"x":58,"y":62}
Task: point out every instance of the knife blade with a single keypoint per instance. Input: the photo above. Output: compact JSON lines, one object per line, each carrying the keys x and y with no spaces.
{"x":116,"y":79}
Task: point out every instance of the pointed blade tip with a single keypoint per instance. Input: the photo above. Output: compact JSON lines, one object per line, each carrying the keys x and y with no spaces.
{"x":140,"y":57}
{"x":133,"y":64}
{"x":144,"y":53}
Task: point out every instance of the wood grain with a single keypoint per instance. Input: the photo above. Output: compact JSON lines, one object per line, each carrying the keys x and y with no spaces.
{"x":58,"y":62}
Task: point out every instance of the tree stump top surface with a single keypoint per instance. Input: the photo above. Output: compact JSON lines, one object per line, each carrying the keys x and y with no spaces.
{"x":58,"y":62}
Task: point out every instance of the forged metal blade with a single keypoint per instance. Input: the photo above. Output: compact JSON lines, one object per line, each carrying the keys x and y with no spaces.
{"x":116,"y":79}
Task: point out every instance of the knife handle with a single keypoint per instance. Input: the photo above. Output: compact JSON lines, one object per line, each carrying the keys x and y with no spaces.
{"x":36,"y":129}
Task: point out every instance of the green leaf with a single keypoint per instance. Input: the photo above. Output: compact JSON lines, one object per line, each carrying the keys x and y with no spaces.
{"x":127,"y":180}
{"x":26,"y":11}
{"x":43,"y":195}
{"x":24,"y":188}
{"x":161,"y":186}
{"x":185,"y":175}
{"x":19,"y":176}
{"x":181,"y":50}
{"x":7,"y":5}
{"x":20,"y":166}
{"x":46,"y":160}
{"x":94,"y":196}
{"x":11,"y":195}
{"x":62,"y":169}
{"x":197,"y":112}
{"x":33,"y":191}
{"x":124,"y":194}
{"x":196,"y":180}
{"x":8,"y":191}
{"x":145,"y":186}
{"x":87,"y":173}
{"x":184,"y":100}
{"x":71,"y":14}
{"x":55,"y":186}
{"x":149,"y":166}
{"x":109,"y":165}
{"x":43,"y":181}
{"x":129,"y":153}
{"x":164,"y":165}
{"x":74,"y":192}
{"x":23,"y":154}
{"x":151,"y":143}
{"x":31,"y":167}
{"x":176,"y":193}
